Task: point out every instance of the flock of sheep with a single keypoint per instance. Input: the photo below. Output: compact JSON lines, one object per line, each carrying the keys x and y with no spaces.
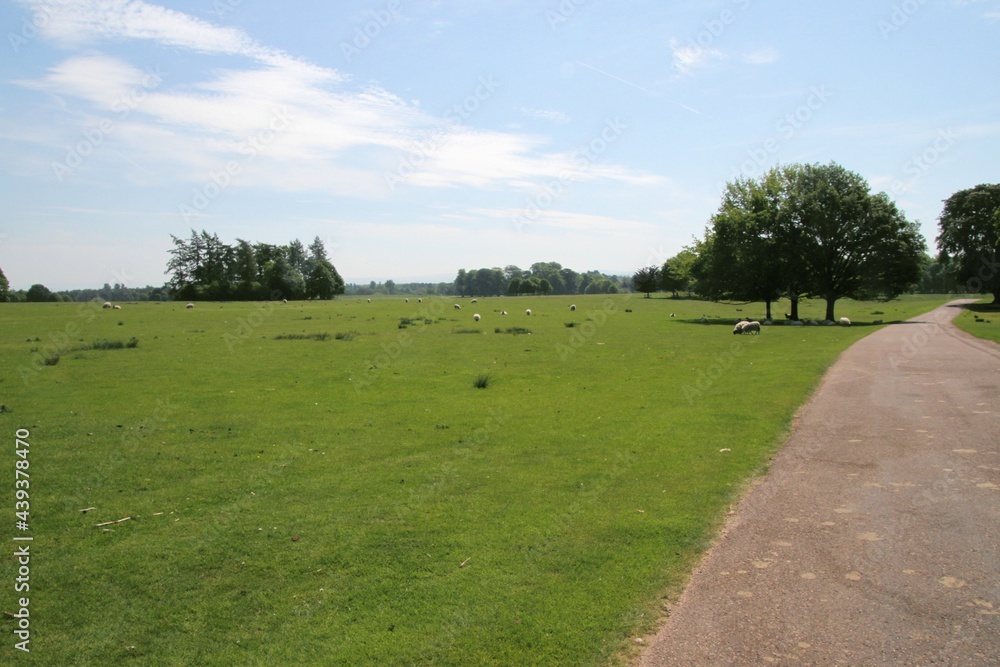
{"x":753,"y":327}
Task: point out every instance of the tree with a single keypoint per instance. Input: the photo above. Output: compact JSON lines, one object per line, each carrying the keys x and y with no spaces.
{"x":4,"y":287}
{"x":740,"y":258}
{"x":647,"y":280}
{"x":676,"y":272}
{"x":39,"y":294}
{"x":970,"y":238}
{"x":322,"y":282}
{"x":281,"y":279}
{"x":850,"y":243}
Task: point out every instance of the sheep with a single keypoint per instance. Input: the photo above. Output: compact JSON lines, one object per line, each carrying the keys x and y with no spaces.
{"x":285,"y":301}
{"x":573,"y":307}
{"x":406,"y":300}
{"x":673,"y":314}
{"x":107,"y":304}
{"x":503,"y":312}
{"x":738,"y":329}
{"x":476,"y":317}
{"x":189,"y":306}
{"x":420,"y":300}
{"x":528,"y":311}
{"x":844,"y":322}
{"x":475,"y":301}
{"x":458,"y":307}
{"x":369,"y":300}
{"x":116,"y":307}
{"x":747,"y":328}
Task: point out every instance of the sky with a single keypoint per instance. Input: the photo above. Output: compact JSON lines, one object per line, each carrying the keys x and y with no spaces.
{"x":417,"y":138}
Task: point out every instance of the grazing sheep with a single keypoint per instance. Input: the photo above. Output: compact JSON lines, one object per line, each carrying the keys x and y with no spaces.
{"x":573,"y":307}
{"x":527,"y":312}
{"x":107,"y":304}
{"x":747,"y":328}
{"x":503,"y":312}
{"x":476,"y":317}
{"x":407,"y":300}
{"x":116,"y":307}
{"x":844,"y":322}
{"x":673,"y":314}
{"x":284,"y":301}
{"x":475,"y":301}
{"x":738,"y":329}
{"x":189,"y":306}
{"x":420,"y":300}
{"x":369,"y":300}
{"x":458,"y":307}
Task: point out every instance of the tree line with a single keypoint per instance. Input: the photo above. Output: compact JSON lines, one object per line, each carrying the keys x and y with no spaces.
{"x":542,"y":278}
{"x":204,"y":268}
{"x":817,"y":231}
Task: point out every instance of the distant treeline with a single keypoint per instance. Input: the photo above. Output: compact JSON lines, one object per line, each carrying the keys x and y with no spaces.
{"x":541,"y":278}
{"x":204,"y":268}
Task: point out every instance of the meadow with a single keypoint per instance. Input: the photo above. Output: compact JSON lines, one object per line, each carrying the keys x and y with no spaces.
{"x":386,"y":483}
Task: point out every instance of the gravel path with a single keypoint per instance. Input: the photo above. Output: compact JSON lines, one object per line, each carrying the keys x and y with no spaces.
{"x":874,"y":538}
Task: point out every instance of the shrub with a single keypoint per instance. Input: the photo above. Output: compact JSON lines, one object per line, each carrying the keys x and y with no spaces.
{"x":482,"y":381}
{"x":312,"y":336}
{"x":51,"y":359}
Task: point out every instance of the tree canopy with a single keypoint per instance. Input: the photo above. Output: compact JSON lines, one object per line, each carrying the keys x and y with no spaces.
{"x":4,"y":287}
{"x":808,"y":231}
{"x":203,"y":267}
{"x":969,"y":239}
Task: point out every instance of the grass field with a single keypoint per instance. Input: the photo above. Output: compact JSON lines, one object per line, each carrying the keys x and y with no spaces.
{"x":324,"y":483}
{"x":981,"y":319}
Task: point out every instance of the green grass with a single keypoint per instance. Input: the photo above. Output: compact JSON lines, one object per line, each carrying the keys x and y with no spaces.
{"x":982,"y":320}
{"x":363,"y":503}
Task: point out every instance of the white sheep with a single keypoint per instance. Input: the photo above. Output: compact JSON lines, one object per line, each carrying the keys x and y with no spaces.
{"x":369,"y":300}
{"x":528,"y":311}
{"x":284,"y":301}
{"x":116,"y":307}
{"x":673,"y":314}
{"x":189,"y":306}
{"x":420,"y":300}
{"x":407,"y":300}
{"x":107,"y":304}
{"x":458,"y":307}
{"x":476,"y":317}
{"x":738,"y":329}
{"x":573,"y":307}
{"x":751,"y":327}
{"x":475,"y":301}
{"x":503,"y":312}
{"x":844,"y":322}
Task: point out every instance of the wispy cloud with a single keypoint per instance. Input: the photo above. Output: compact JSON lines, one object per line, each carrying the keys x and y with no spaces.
{"x":763,"y":56}
{"x":687,"y":57}
{"x":545,"y":114}
{"x":340,"y":137}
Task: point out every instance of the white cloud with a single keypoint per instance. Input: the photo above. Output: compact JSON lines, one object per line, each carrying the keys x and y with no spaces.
{"x":689,"y":56}
{"x":545,"y":114}
{"x":763,"y":56}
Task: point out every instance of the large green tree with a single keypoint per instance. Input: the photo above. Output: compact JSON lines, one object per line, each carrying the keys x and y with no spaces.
{"x":969,"y":239}
{"x":809,"y":231}
{"x":39,"y":293}
{"x":4,"y":287}
{"x":849,"y":243}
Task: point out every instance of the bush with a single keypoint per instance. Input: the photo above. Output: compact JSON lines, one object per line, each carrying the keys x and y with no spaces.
{"x":51,"y":359}
{"x":313,"y":336}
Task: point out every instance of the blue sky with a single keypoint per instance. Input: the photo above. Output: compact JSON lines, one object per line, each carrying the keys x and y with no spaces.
{"x":417,"y":138}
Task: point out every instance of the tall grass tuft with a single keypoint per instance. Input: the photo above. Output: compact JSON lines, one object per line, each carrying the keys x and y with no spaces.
{"x":312,"y":336}
{"x":482,"y":381}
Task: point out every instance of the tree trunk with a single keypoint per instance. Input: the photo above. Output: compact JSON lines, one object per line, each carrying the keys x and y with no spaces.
{"x":795,"y":308}
{"x":996,"y":297}
{"x":829,"y":309}
{"x":767,"y":303}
